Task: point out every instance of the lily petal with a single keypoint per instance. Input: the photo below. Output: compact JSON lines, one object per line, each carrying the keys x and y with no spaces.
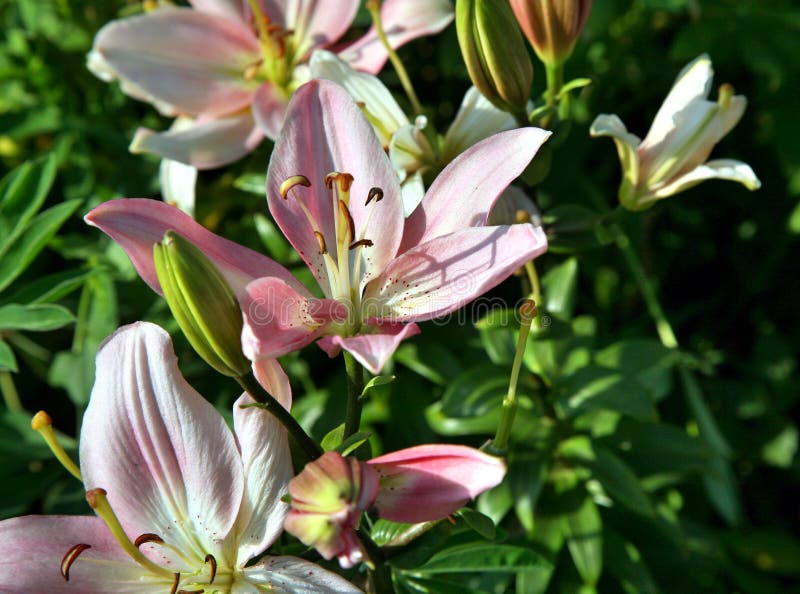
{"x":476,"y":119}
{"x":269,"y":110}
{"x":31,"y":549}
{"x":729,"y":169}
{"x":137,"y":223}
{"x":207,"y":144}
{"x":627,"y":149}
{"x":267,"y":469}
{"x":232,"y":9}
{"x":440,"y":276}
{"x":274,"y":380}
{"x":693,"y":83}
{"x":367,"y":90}
{"x":403,"y":21}
{"x":462,"y":195}
{"x":177,"y":184}
{"x":279,"y":320}
{"x":314,"y":23}
{"x":371,"y":350}
{"x":293,"y":576}
{"x":161,"y":451}
{"x":430,"y":482}
{"x":189,"y":60}
{"x":324,"y":132}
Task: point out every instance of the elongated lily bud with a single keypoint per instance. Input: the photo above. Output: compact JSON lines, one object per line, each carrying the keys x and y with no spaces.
{"x":327,"y":500}
{"x":552,"y":26}
{"x":495,"y":53}
{"x":202,"y":303}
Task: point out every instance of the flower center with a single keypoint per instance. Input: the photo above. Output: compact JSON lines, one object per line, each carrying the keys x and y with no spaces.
{"x":343,"y":260}
{"x":277,"y":51}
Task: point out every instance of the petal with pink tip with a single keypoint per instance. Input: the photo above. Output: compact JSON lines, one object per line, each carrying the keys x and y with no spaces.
{"x":267,"y":469}
{"x":269,"y":110}
{"x":439,"y":276}
{"x":326,"y":132}
{"x":403,"y":21}
{"x":32,"y":547}
{"x":371,"y":350}
{"x":315,"y":23}
{"x":430,"y":482}
{"x":462,"y":195}
{"x":232,"y":9}
{"x":293,"y":576}
{"x":137,"y":223}
{"x":279,"y":320}
{"x":163,"y":453}
{"x":206,"y":144}
{"x":274,"y":380}
{"x":190,"y":60}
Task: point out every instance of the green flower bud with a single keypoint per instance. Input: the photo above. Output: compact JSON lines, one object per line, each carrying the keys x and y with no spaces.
{"x":495,"y":53}
{"x":202,"y":303}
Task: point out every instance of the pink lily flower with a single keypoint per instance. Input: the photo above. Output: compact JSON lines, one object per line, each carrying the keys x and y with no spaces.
{"x":335,"y":195}
{"x":183,"y":503}
{"x":233,"y":65}
{"x":419,"y":484}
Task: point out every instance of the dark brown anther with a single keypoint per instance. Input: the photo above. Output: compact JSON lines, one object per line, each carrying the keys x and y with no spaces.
{"x":210,"y":559}
{"x":190,"y":592}
{"x":147,"y":537}
{"x":374,"y":194}
{"x":70,"y":558}
{"x":351,"y":226}
{"x":323,"y":249}
{"x":522,"y":216}
{"x":289,"y":183}
{"x":175,"y":582}
{"x":360,"y":242}
{"x":343,"y":180}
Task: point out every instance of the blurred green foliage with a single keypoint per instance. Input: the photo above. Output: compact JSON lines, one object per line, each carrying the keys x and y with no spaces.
{"x":624,"y":475}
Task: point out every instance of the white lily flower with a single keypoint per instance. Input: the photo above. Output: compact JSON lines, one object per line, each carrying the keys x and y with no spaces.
{"x":672,"y":157}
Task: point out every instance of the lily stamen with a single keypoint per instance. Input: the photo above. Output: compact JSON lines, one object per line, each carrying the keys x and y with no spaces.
{"x":147,"y":537}
{"x":43,"y":424}
{"x":70,"y":557}
{"x":213,"y":562}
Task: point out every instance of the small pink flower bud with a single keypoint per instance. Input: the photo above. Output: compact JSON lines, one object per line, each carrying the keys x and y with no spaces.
{"x":552,"y":26}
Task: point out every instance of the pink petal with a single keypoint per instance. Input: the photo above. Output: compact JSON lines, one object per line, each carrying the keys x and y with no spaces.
{"x":279,"y":320}
{"x":430,"y":482}
{"x":440,"y":276}
{"x":206,"y":144}
{"x":403,"y":21}
{"x":316,"y":23}
{"x":324,"y":132}
{"x":462,"y":195}
{"x":371,"y":350}
{"x":232,"y":9}
{"x":189,"y":60}
{"x":31,"y":549}
{"x":269,"y":109}
{"x":164,"y":455}
{"x":293,"y":576}
{"x":137,"y":223}
{"x":274,"y":380}
{"x":267,"y":469}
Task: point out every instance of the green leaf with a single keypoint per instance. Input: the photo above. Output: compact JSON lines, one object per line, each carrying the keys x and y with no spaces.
{"x":620,"y":481}
{"x":22,"y":193}
{"x":723,"y":489}
{"x":376,"y":382}
{"x":446,"y":425}
{"x":36,"y":318}
{"x":574,"y":84}
{"x":333,"y":438}
{"x":476,"y":392}
{"x":781,"y":449}
{"x":647,"y":361}
{"x":594,"y":388}
{"x":527,"y":473}
{"x":51,"y":287}
{"x":626,"y":564}
{"x":7,"y":360}
{"x":709,"y":430}
{"x":483,"y":557}
{"x":413,"y":584}
{"x":352,"y":443}
{"x":496,"y":503}
{"x":392,"y":534}
{"x":560,"y":286}
{"x":583,"y":531}
{"x":479,"y":522}
{"x":36,"y":235}
{"x":273,"y":239}
{"x":254,"y":183}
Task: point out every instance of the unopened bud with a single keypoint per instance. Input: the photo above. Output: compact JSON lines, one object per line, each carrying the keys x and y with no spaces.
{"x":552,"y":26}
{"x":202,"y":303}
{"x":495,"y":53}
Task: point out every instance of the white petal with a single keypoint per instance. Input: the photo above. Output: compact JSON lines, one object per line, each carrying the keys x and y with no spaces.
{"x":718,"y":169}
{"x":627,"y":145}
{"x":409,"y":149}
{"x":177,"y":184}
{"x":291,"y":575}
{"x":267,"y":470}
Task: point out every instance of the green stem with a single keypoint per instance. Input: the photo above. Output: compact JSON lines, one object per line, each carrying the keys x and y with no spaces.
{"x":374,"y":8}
{"x":9,"y":390}
{"x":379,"y":572}
{"x":260,"y":395}
{"x":355,"y":386}
{"x":509,"y":408}
{"x":533,"y":277}
{"x":555,"y":80}
{"x":663,"y":327}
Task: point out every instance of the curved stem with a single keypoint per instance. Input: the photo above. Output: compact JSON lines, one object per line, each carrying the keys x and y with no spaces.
{"x":355,"y":386}
{"x":9,"y":391}
{"x":374,"y":8}
{"x":268,"y":403}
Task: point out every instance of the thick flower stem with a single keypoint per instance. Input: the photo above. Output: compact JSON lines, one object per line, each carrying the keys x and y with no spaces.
{"x":9,"y":391}
{"x":374,"y":8}
{"x":527,"y":313}
{"x":260,"y":395}
{"x":379,"y":572}
{"x":355,"y":386}
{"x":555,"y":80}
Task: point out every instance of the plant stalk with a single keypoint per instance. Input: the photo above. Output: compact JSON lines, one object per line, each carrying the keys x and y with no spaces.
{"x":355,"y":387}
